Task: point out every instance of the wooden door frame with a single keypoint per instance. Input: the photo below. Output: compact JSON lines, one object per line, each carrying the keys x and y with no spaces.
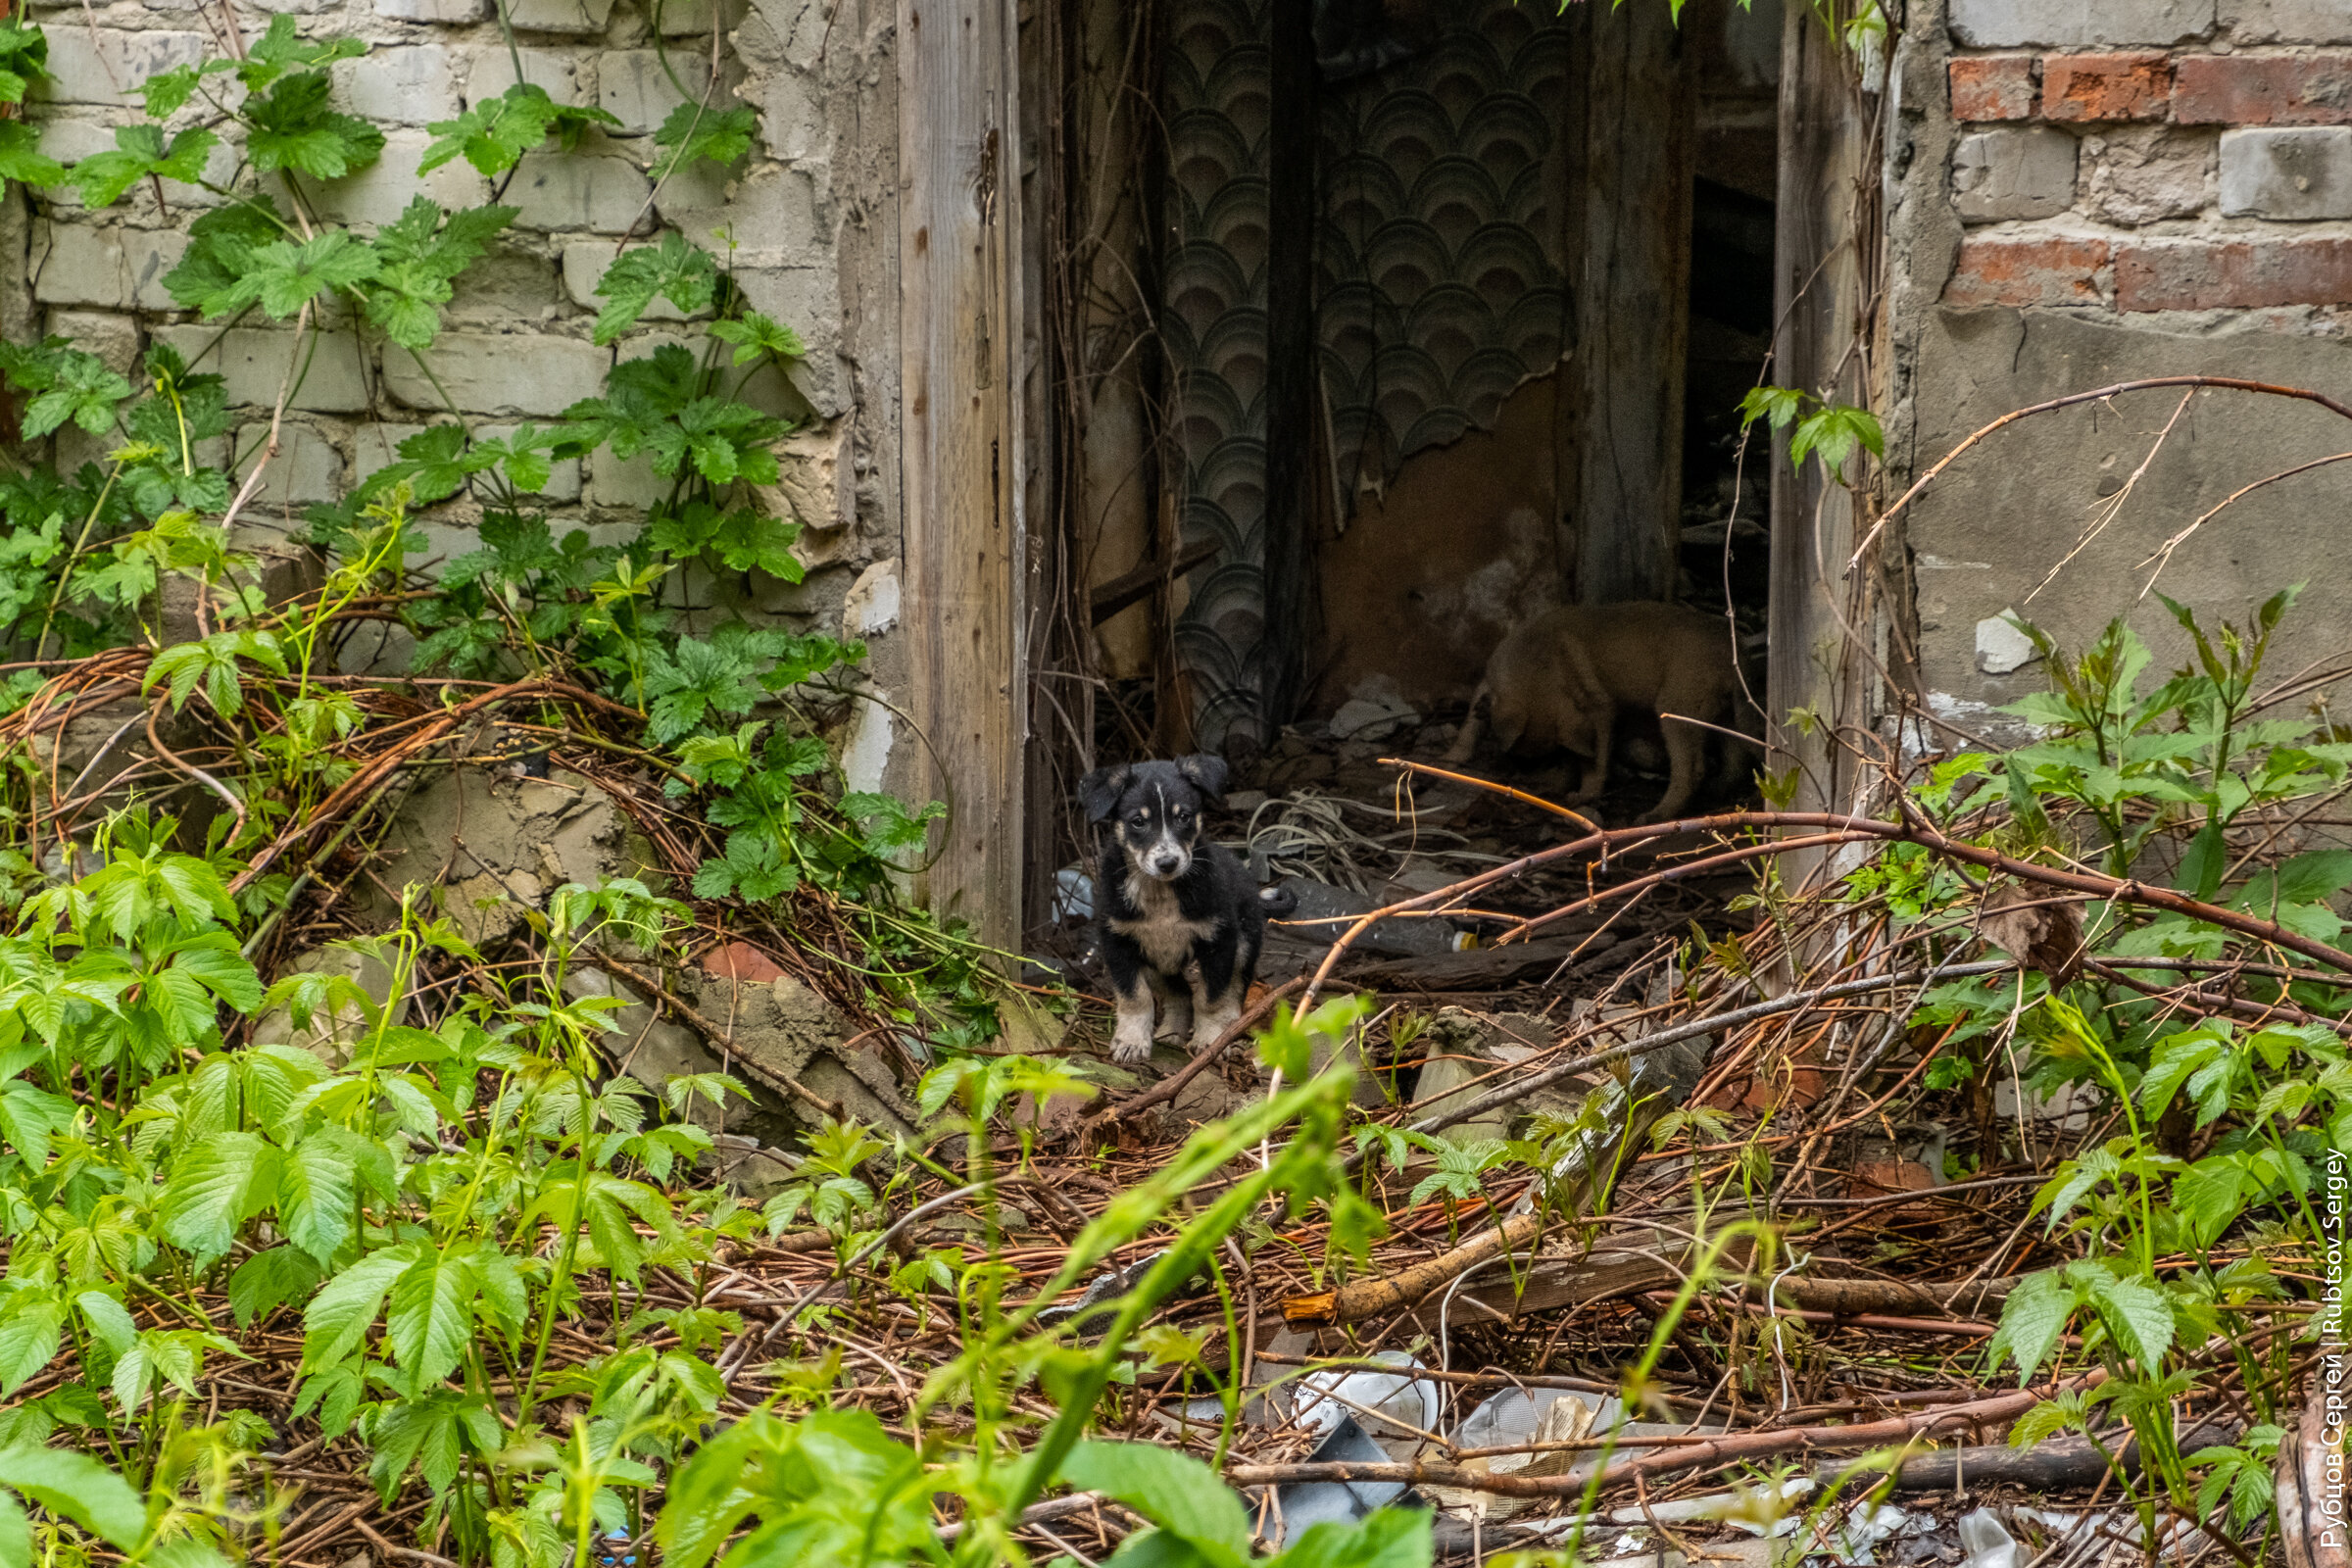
{"x":963,"y":423}
{"x":1826,"y":266}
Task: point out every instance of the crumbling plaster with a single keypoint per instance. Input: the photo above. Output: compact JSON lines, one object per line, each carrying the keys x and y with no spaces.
{"x":1981,"y":540}
{"x":809,"y":214}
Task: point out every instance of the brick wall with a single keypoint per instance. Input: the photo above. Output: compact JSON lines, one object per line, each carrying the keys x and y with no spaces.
{"x":2142,"y":156}
{"x":2087,"y":192}
{"x":517,"y":340}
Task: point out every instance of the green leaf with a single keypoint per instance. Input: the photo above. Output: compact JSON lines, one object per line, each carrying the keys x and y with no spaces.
{"x":1835,"y":431}
{"x":2202,"y":866}
{"x":283,"y":276}
{"x":110,"y":1323}
{"x":213,"y":1189}
{"x":1780,"y":405}
{"x":693,"y":131}
{"x":682,"y":274}
{"x":2138,"y":1316}
{"x":890,"y":828}
{"x":16,"y":1533}
{"x":494,"y":135}
{"x":79,"y":1488}
{"x":22,"y":158}
{"x":1174,"y":1490}
{"x":282,"y":49}
{"x":697,"y":682}
{"x":421,"y":255}
{"x":318,"y":1197}
{"x":29,"y":1336}
{"x":220,"y":247}
{"x":756,"y":334}
{"x":1391,"y":1537}
{"x":23,"y":56}
{"x":522,"y":455}
{"x":214,"y":960}
{"x":2031,"y":1321}
{"x":69,"y":385}
{"x":268,"y":1280}
{"x":339,"y":1316}
{"x":28,"y":1119}
{"x":2310,"y":878}
{"x":292,"y":127}
{"x":139,"y":153}
{"x":430,"y":1321}
{"x":166,"y":92}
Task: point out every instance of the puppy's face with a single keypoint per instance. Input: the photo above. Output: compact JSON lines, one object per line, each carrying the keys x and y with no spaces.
{"x":1156,"y":810}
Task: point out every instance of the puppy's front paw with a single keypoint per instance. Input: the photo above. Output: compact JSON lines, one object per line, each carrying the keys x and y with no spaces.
{"x":1130,"y":1045}
{"x":1211,"y":1029}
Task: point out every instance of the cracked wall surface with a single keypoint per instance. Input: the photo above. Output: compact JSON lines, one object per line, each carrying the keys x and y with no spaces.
{"x":2080,"y":194}
{"x":808,"y":220}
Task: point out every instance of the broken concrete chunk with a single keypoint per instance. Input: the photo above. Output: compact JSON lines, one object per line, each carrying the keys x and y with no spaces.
{"x":1375,"y":710}
{"x":499,"y":846}
{"x":755,"y":1171}
{"x":2001,"y":647}
{"x":1463,"y":1047}
{"x":1458,"y":1067}
{"x":779,"y":1028}
{"x":651,"y":1049}
{"x":334,"y":1032}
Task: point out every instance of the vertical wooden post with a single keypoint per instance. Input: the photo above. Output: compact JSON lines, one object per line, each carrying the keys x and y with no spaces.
{"x":1631,"y":255}
{"x":1828,"y":235}
{"x":1294,"y":363}
{"x":959,"y":337}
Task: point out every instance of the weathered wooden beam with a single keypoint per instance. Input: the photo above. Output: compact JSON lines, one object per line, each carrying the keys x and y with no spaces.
{"x":960,"y":448}
{"x":1629,"y":254}
{"x":1826,"y":250}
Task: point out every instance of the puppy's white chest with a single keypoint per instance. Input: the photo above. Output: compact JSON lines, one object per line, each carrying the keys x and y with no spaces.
{"x":1161,"y":929}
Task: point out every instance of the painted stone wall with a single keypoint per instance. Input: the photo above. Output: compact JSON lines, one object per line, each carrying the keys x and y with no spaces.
{"x":808,"y":218}
{"x":2087,"y":192}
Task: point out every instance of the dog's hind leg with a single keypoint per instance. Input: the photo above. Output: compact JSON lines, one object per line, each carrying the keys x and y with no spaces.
{"x":1175,"y":1007}
{"x":1687,"y":760}
{"x":1466,"y":742}
{"x":1224,"y":975}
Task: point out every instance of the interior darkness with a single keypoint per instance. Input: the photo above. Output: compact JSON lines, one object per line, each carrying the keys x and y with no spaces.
{"x":1731,"y":339}
{"x":1724,"y":559}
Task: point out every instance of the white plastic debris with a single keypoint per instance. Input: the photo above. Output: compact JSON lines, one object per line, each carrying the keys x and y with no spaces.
{"x":1521,"y":1415}
{"x":1988,"y":1542}
{"x":1073,"y":895}
{"x":1745,"y":1507}
{"x":1324,"y":1399}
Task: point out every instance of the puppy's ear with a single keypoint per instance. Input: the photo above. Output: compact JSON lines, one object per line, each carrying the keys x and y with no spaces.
{"x":1099,"y":791}
{"x":1205,"y":773}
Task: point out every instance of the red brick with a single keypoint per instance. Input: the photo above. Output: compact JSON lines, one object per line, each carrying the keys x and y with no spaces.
{"x":2195,"y":275}
{"x":2310,"y":90}
{"x":1992,"y":87}
{"x":2099,"y":87}
{"x":740,"y":960}
{"x":2055,"y":271}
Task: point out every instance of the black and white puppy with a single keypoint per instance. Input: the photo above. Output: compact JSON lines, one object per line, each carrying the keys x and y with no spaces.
{"x":1167,"y":898}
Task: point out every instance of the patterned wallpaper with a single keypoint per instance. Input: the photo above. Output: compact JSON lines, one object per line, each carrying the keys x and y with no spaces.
{"x":1439,"y":278}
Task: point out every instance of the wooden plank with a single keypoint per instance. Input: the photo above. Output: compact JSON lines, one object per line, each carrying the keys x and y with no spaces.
{"x":1631,"y":254}
{"x":1819,"y":299}
{"x":1293,"y":367}
{"x":960,"y":448}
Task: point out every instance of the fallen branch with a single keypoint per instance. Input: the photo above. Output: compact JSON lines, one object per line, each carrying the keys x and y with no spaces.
{"x":1735,"y":1447}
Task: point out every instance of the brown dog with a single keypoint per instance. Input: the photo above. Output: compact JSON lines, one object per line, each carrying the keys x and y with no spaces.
{"x":1557,"y":683}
